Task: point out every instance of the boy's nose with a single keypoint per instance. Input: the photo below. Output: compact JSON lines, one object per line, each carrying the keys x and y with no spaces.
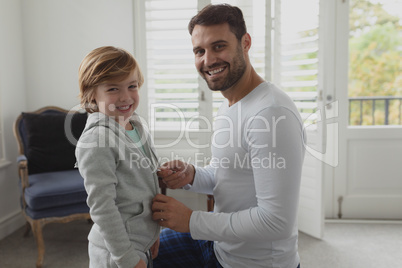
{"x":124,"y":95}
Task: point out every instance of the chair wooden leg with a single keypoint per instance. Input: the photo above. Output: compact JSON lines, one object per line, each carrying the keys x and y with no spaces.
{"x":37,"y":231}
{"x":27,"y":229}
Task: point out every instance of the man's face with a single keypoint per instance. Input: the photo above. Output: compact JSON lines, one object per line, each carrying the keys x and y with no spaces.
{"x":219,"y":57}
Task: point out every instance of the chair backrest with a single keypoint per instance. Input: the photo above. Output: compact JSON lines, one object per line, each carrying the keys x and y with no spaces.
{"x":47,"y":137}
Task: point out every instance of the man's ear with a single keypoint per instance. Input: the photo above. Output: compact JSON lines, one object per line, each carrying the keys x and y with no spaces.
{"x":246,"y":42}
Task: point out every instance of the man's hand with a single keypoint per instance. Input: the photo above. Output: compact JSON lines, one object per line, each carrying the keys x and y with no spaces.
{"x":171,"y":213}
{"x":176,"y":174}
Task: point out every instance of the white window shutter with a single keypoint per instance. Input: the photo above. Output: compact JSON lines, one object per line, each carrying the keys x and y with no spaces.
{"x":171,"y":75}
{"x":298,"y":71}
{"x":295,"y":52}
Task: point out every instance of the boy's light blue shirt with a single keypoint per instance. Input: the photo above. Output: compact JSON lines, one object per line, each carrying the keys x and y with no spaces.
{"x":135,"y":137}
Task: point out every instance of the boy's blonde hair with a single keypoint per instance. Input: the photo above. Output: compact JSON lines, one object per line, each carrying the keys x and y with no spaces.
{"x":102,"y":65}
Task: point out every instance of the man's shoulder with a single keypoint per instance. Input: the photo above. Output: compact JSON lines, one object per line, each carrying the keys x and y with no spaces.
{"x":268,"y":95}
{"x":268,"y":100}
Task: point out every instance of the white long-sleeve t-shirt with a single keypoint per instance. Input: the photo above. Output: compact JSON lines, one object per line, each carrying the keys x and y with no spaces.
{"x":254,"y":175}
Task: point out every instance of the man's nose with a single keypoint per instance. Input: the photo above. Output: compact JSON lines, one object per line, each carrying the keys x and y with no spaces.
{"x":209,"y":58}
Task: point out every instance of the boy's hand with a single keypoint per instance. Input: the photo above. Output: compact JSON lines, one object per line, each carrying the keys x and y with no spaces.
{"x":141,"y":264}
{"x":176,"y":174}
{"x":155,"y":249}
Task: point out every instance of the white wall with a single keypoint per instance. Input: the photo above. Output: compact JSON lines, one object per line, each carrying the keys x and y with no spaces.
{"x":42,"y":45}
{"x":58,"y":34}
{"x":12,"y":102}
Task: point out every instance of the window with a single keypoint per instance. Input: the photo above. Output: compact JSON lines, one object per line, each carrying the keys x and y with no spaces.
{"x":375,"y":68}
{"x":284,"y":50}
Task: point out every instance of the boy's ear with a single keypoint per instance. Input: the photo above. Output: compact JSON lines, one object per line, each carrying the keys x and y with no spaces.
{"x":93,"y":97}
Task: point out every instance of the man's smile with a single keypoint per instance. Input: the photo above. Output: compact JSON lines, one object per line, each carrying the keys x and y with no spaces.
{"x":215,"y":71}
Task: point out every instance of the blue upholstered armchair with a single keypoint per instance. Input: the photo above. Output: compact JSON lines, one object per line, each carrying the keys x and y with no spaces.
{"x":52,"y":190}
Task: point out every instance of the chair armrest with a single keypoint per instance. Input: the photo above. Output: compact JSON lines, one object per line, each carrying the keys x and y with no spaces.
{"x":22,"y":162}
{"x":21,"y":158}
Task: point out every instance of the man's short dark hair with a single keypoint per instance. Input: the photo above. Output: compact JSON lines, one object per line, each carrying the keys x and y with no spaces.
{"x":219,"y":14}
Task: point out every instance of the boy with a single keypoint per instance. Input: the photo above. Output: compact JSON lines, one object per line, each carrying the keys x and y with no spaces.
{"x":119,"y":186}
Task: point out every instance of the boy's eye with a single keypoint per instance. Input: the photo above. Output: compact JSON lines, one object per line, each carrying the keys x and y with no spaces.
{"x":112,"y":89}
{"x":133,"y":86}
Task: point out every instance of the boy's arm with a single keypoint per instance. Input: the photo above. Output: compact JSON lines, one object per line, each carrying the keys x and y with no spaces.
{"x":97,"y":166}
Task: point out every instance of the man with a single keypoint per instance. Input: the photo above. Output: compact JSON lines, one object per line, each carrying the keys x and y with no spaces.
{"x":255,"y":170}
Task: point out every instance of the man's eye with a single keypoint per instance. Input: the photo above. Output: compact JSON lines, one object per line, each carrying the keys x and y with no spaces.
{"x":199,"y":52}
{"x":219,"y":46}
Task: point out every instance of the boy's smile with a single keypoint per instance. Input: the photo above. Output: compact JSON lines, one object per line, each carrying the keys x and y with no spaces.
{"x":119,"y":98}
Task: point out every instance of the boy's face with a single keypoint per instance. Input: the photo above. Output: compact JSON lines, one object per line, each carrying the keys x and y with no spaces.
{"x":119,"y":98}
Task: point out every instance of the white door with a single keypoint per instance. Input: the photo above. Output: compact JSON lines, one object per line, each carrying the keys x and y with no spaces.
{"x":368,"y":180}
{"x":300,"y":44}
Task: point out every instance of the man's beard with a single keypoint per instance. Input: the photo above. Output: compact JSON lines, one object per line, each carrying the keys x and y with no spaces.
{"x":236,"y":71}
